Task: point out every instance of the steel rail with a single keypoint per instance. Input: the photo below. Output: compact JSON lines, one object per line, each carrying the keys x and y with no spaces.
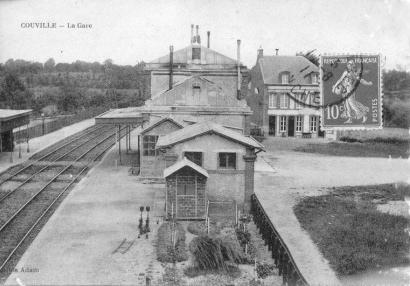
{"x":51,"y":205}
{"x":52,"y":180}
{"x":48,"y":154}
{"x":50,"y":164}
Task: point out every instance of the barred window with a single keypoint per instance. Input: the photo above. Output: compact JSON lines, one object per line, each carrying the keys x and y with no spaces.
{"x":313,"y":124}
{"x":196,"y":53}
{"x":283,"y":124}
{"x":227,"y":160}
{"x":272,"y":100}
{"x":298,"y":123}
{"x":148,"y":144}
{"x":284,"y":101}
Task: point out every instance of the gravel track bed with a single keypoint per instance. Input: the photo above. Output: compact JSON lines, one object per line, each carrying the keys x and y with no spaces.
{"x":17,"y":199}
{"x":30,"y":238}
{"x":93,"y":142}
{"x":62,"y":142}
{"x":16,"y":229}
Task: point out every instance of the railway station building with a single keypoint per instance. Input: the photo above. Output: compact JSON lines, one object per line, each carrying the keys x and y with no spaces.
{"x":194,"y":129}
{"x":9,"y":120}
{"x":276,"y":81}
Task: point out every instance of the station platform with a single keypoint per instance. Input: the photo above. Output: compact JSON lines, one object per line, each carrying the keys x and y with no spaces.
{"x":81,"y":243}
{"x":39,"y":143}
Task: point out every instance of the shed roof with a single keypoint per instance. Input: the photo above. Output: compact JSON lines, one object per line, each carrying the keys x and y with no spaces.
{"x":184,"y":163}
{"x":7,"y":114}
{"x":297,"y":66}
{"x":202,"y":128}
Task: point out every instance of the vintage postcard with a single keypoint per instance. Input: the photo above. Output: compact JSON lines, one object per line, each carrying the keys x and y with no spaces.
{"x":191,"y":142}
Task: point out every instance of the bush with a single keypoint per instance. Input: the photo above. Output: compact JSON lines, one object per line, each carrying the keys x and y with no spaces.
{"x":165,"y":249}
{"x":214,"y":253}
{"x":265,"y":269}
{"x":200,"y":228}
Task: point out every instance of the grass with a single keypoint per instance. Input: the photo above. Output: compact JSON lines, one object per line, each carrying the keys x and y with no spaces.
{"x":367,"y":149}
{"x":394,"y":142}
{"x":351,"y":233}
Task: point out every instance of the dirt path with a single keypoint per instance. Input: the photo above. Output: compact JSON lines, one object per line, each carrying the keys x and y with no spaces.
{"x":284,"y":176}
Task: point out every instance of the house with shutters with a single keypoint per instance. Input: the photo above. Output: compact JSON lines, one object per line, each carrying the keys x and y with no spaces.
{"x":276,"y":81}
{"x":206,"y":161}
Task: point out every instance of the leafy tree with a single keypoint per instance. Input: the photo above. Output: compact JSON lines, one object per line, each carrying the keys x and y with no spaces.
{"x":68,"y":98}
{"x":310,"y":56}
{"x":49,"y":65}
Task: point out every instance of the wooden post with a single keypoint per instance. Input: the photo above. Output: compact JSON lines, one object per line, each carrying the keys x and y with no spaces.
{"x":28,"y":136}
{"x":11,"y":146}
{"x":126,"y":139}
{"x":129,"y":137}
{"x":19,"y":143}
{"x":119,"y":144}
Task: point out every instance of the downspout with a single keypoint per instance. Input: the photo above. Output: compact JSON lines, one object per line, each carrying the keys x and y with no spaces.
{"x":171,"y":64}
{"x":239,"y":71}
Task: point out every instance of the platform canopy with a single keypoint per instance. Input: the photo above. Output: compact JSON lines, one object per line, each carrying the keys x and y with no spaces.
{"x":10,"y":119}
{"x":129,"y":115}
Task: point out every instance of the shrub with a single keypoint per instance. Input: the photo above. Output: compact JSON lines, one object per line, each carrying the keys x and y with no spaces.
{"x":265,"y":269}
{"x":200,"y":228}
{"x":350,"y":139}
{"x":214,"y":253}
{"x":165,"y":250}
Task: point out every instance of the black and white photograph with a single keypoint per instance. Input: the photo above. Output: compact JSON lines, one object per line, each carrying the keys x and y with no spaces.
{"x":215,"y":143}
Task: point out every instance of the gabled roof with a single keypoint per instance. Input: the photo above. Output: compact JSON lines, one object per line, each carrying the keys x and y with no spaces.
{"x":202,"y":128}
{"x":158,"y":122}
{"x":183,"y":56}
{"x":213,"y":95}
{"x":184,"y":163}
{"x":297,"y":66}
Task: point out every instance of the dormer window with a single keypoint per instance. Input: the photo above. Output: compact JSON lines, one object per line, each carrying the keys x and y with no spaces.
{"x":314,"y":78}
{"x":196,"y":53}
{"x":284,"y":78}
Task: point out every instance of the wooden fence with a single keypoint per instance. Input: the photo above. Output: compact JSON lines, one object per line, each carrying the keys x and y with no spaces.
{"x":51,"y":126}
{"x":280,"y":252}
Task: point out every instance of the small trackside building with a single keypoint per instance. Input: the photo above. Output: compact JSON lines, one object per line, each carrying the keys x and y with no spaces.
{"x":206,"y":161}
{"x":276,"y":81}
{"x":10,"y":119}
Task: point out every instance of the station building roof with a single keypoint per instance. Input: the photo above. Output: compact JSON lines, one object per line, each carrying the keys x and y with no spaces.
{"x":203,"y":128}
{"x":184,"y":163}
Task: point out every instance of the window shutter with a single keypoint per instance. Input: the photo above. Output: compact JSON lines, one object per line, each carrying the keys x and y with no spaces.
{"x":288,"y":98}
{"x":278,"y":95}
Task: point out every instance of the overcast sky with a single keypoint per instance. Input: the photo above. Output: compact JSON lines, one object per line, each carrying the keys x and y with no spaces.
{"x":129,"y":31}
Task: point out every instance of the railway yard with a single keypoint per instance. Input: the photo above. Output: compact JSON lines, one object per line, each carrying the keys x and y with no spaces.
{"x":30,"y":192}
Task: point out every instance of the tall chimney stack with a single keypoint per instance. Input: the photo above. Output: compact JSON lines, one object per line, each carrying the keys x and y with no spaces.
{"x":260,"y":53}
{"x":209,"y":40}
{"x":198,"y":38}
{"x":192,"y":34}
{"x":239,"y":71}
{"x":171,"y":65}
{"x":277,"y":50}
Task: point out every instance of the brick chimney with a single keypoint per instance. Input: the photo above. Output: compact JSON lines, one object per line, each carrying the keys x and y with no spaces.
{"x":260,"y":53}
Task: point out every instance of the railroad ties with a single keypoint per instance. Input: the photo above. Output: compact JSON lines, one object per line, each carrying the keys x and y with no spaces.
{"x":30,"y":192}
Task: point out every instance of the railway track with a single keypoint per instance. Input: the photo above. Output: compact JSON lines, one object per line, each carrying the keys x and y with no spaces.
{"x":35,"y":190}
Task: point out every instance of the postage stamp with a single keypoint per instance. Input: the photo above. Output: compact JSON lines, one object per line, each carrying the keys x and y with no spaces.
{"x":351,"y":92}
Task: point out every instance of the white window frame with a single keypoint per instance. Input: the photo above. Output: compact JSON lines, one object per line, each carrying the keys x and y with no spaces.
{"x":314,"y":78}
{"x":298,"y":100}
{"x":273,"y":100}
{"x":285,"y":78}
{"x":284,"y":100}
{"x":313,"y":123}
{"x":299,"y":123}
{"x":283,"y":123}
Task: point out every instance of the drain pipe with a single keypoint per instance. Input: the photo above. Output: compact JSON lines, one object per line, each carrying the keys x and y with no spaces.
{"x":171,"y":65}
{"x":239,"y":71}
